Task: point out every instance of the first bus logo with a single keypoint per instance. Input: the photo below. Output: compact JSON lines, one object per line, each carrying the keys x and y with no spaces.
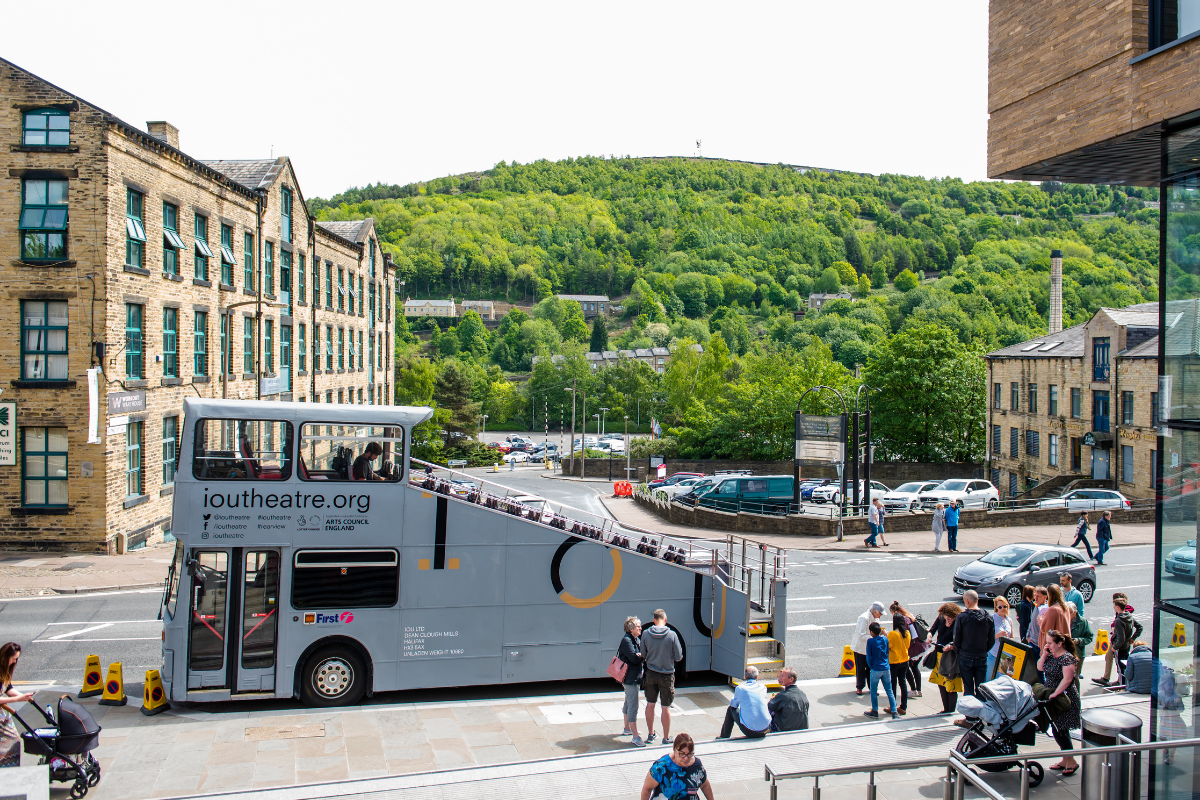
{"x":344,"y":618}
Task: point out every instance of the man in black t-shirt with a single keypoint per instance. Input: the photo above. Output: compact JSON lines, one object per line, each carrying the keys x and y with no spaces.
{"x":362,"y":469}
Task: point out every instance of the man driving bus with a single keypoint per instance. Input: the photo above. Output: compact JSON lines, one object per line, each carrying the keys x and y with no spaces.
{"x":362,"y":469}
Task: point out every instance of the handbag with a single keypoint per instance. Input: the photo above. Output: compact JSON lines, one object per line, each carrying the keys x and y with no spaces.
{"x":948,"y":668}
{"x":930,"y":660}
{"x":617,"y":669}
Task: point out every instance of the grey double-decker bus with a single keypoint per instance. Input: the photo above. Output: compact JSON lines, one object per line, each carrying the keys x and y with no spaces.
{"x":311,"y":564}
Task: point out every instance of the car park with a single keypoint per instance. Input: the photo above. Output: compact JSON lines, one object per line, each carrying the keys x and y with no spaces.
{"x":808,"y":486}
{"x":762,"y":494}
{"x":832,"y":492}
{"x":967,"y":493}
{"x":503,"y":447}
{"x":674,"y":478}
{"x":1007,"y":570}
{"x":1087,"y":500}
{"x":682,"y":487}
{"x":519,"y":456}
{"x":905,"y":497}
{"x":1181,"y":562}
{"x":543,"y":451}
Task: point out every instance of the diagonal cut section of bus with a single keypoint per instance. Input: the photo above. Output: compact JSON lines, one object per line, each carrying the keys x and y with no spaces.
{"x":315,"y":559}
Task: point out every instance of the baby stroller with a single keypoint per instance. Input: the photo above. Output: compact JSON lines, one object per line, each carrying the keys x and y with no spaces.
{"x":1002,"y":715}
{"x":66,"y":745}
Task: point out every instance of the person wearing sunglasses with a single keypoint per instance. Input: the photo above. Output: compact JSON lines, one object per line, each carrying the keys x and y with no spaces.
{"x":679,"y":775}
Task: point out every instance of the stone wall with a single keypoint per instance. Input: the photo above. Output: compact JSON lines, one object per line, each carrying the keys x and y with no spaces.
{"x":891,"y":474}
{"x":752,"y":524}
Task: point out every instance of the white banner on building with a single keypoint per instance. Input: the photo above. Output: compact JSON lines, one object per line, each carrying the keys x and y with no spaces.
{"x":93,"y":380}
{"x":8,"y":434}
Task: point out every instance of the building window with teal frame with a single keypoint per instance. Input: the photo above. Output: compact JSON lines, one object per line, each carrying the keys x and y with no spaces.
{"x":360,"y":295}
{"x":247,"y":345}
{"x":360,"y":350}
{"x":371,"y":248}
{"x":302,"y":354}
{"x":328,"y":347}
{"x":43,"y":220}
{"x":200,"y":344}
{"x":341,"y":290}
{"x":133,"y":459}
{"x":47,"y":127}
{"x":44,"y":340}
{"x":227,"y":261}
{"x":285,"y":278}
{"x":135,"y":231}
{"x":170,"y":449}
{"x":329,"y":285}
{"x":269,"y":346}
{"x":170,"y":342}
{"x":285,"y":214}
{"x":248,"y":262}
{"x":341,"y":351}
{"x":269,"y":268}
{"x":203,"y":251}
{"x":224,"y":344}
{"x":300,"y":287}
{"x":44,"y":467}
{"x":172,"y":242}
{"x":133,"y":341}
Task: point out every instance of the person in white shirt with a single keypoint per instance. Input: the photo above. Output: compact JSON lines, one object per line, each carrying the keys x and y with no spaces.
{"x":875,"y":522}
{"x":858,"y":644}
{"x":748,"y":709}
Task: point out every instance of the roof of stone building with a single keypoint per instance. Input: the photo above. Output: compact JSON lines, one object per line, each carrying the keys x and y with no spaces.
{"x":1133,"y":319}
{"x":1066,"y":343}
{"x":585,"y":298}
{"x":1183,"y":328}
{"x":1147,"y":349}
{"x":256,"y":173}
{"x":477,"y":303}
{"x":446,"y":303}
{"x":355,"y":230}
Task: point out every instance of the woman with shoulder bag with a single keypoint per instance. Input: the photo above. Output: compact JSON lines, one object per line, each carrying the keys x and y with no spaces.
{"x":917,"y":648}
{"x":630,"y":653}
{"x":942,"y":634}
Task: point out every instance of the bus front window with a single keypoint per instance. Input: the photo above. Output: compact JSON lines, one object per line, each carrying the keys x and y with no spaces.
{"x":351,"y":452}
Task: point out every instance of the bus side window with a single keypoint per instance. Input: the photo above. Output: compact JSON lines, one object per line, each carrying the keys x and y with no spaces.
{"x":242,"y":450}
{"x":349,"y":452}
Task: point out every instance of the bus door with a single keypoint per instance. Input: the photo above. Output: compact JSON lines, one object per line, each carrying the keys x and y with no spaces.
{"x":259,"y":635}
{"x":207,"y":609}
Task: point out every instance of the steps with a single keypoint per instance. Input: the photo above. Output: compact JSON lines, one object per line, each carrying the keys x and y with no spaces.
{"x":764,"y":651}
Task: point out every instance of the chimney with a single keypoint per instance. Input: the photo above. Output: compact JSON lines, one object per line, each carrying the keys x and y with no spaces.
{"x":1055,"y":291}
{"x":164,"y":132}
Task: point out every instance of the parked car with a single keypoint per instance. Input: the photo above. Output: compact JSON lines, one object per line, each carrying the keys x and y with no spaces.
{"x":503,"y":447}
{"x":832,"y":492}
{"x":1007,"y":570}
{"x":967,"y":493}
{"x":760,"y":494}
{"x":905,"y":496}
{"x":516,"y":437}
{"x":1181,"y":561}
{"x":674,"y":478}
{"x":462,"y":488}
{"x":615,"y":445}
{"x":807,"y":487}
{"x":1087,"y":500}
{"x":620,"y":437}
{"x":519,"y":456}
{"x":544,"y":451}
{"x":683,"y":487}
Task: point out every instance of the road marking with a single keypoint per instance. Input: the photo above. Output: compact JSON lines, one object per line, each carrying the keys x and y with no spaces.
{"x":101,"y":626}
{"x":810,"y":649}
{"x":1111,"y":567}
{"x":798,"y":599}
{"x":128,"y":639}
{"x":157,"y":590}
{"x":860,"y":583}
{"x":1139,"y":586}
{"x":808,"y":611}
{"x":114,"y":622}
{"x":821,"y":627}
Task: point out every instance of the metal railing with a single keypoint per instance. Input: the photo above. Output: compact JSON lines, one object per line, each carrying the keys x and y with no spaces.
{"x":958,"y":769}
{"x":742,"y":564}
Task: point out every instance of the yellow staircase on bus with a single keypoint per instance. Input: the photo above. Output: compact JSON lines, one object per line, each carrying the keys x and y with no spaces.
{"x":764,"y":651}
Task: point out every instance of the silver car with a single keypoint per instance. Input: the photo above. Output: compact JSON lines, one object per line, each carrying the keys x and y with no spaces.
{"x":1182,"y":560}
{"x":1007,"y":570}
{"x":906,"y":496}
{"x":1087,"y":500}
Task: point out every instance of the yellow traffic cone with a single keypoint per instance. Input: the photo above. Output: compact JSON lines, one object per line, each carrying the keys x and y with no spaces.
{"x":154,"y":699}
{"x":847,"y":662}
{"x":1179,"y":636}
{"x":114,"y":687}
{"x":1101,"y":643}
{"x":91,"y":678}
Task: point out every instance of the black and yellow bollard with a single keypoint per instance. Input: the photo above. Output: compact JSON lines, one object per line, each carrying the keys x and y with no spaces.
{"x":92,"y":679}
{"x":154,"y":699}
{"x":847,"y":662}
{"x":1179,"y":636}
{"x":114,"y":687}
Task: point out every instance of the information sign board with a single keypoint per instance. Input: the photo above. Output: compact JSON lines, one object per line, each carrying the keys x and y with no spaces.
{"x":820,"y":440}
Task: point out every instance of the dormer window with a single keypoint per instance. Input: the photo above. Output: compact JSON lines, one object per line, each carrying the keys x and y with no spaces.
{"x":47,"y":127}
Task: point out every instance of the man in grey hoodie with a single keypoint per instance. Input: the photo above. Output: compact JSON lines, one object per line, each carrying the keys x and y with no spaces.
{"x":660,"y":649}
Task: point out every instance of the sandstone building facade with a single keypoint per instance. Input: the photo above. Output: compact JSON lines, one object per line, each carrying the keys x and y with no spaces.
{"x":136,"y":275}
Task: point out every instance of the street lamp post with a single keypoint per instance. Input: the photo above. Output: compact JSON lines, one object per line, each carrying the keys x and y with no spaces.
{"x":484,"y":418}
{"x":604,"y":411}
{"x":626,"y":447}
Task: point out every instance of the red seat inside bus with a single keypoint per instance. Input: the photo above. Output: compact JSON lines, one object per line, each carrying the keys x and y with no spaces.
{"x":253,"y":470}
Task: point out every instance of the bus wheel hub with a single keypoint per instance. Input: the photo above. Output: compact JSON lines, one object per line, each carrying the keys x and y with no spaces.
{"x":333,"y":677}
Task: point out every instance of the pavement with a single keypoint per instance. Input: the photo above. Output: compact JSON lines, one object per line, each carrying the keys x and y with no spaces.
{"x":30,"y":574}
{"x":237,"y":747}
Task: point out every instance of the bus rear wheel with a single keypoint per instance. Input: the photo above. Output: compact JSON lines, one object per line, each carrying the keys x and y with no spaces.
{"x":334,"y":676}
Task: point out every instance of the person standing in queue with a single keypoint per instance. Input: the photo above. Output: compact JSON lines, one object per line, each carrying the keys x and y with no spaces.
{"x":1025,"y":611}
{"x":660,"y":650}
{"x":917,"y":647}
{"x":952,"y":527}
{"x":899,"y":639}
{"x":858,"y":643}
{"x":974,"y":634}
{"x":630,"y":652}
{"x":1003,"y":629}
{"x":1060,"y":666}
{"x":939,"y":527}
{"x":942,"y":633}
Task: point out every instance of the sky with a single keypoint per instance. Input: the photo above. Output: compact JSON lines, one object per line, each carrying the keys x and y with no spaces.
{"x":359,"y":92}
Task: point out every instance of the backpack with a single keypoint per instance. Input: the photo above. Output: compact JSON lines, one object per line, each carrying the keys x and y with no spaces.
{"x":922,"y":628}
{"x":341,"y":462}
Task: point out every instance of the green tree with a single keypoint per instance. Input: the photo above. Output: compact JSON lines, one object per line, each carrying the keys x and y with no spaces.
{"x":452,"y":391}
{"x":599,"y":341}
{"x":573,"y":327}
{"x":930,"y":400}
{"x":864,"y":286}
{"x":878,"y":275}
{"x":692,"y":289}
{"x":906,"y":280}
{"x":830,"y":282}
{"x":846,"y":273}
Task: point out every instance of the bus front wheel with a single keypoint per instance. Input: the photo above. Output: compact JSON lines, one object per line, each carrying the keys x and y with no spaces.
{"x":334,"y":676}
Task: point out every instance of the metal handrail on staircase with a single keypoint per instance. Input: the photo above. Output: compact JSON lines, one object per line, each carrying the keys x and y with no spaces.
{"x":958,"y":766}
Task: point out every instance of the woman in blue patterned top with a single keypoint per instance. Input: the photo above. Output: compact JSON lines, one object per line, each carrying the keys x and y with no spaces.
{"x":678,"y":776}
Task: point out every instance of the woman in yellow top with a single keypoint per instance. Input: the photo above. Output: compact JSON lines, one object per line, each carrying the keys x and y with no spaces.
{"x":898,"y":641}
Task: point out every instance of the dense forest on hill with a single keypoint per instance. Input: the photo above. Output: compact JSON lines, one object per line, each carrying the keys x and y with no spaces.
{"x":704,"y":249}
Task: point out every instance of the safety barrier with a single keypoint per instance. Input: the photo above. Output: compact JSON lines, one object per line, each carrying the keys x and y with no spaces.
{"x":114,"y":686}
{"x":1179,"y":636}
{"x":622,"y":489}
{"x":154,"y":699}
{"x":93,"y":680}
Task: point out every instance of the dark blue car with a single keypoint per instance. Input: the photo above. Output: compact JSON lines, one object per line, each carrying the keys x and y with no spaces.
{"x":807,"y":486}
